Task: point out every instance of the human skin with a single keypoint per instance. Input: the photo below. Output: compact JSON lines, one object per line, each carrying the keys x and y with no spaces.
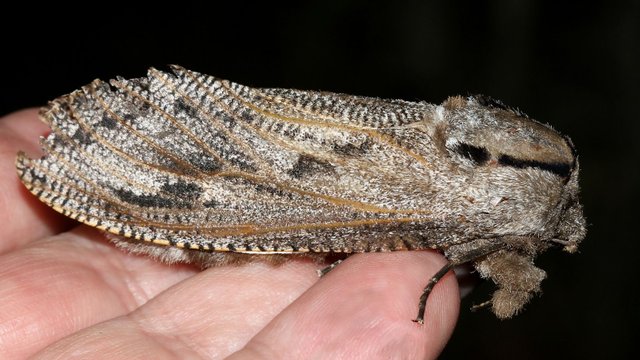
{"x":68,"y":293}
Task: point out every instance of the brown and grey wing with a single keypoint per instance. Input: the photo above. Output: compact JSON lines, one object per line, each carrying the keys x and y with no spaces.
{"x":188,"y":160}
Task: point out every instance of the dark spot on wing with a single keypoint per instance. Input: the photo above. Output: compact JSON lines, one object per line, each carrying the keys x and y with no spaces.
{"x":183,"y":189}
{"x":129,"y":118}
{"x":82,"y":137}
{"x":181,"y":106}
{"x":211,"y":204}
{"x":150,"y":200}
{"x":108,"y":122}
{"x":351,"y":149}
{"x":307,"y":164}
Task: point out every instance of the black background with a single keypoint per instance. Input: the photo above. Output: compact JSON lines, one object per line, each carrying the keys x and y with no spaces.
{"x":573,"y":65}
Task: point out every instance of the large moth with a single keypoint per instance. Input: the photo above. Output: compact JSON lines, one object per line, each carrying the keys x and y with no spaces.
{"x":189,"y":168}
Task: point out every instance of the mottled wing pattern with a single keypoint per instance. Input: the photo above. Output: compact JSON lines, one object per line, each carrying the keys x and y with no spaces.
{"x":188,"y":160}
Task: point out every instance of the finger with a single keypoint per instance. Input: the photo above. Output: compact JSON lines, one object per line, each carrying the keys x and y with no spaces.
{"x":210,"y":315}
{"x":363,"y":309}
{"x":55,"y":287}
{"x":215,"y":313}
{"x":24,"y":218}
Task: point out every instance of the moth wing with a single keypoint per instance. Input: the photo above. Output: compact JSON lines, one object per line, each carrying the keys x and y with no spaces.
{"x":189,"y":160}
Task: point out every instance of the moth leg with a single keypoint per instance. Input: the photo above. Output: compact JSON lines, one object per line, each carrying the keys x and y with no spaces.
{"x":482,"y":305}
{"x":457,"y":255}
{"x":427,"y":290}
{"x":515,"y":276}
{"x":324,"y":271}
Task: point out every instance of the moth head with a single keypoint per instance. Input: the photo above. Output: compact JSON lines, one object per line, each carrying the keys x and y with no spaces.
{"x":523,"y":168}
{"x":482,"y":131}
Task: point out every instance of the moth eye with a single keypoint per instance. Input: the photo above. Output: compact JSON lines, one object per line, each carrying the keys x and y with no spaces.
{"x":477,"y":154}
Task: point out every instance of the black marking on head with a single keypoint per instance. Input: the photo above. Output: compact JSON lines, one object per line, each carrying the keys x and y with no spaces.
{"x":307,"y":164}
{"x":181,"y":106}
{"x":82,"y":137}
{"x":231,"y":247}
{"x":488,"y":101}
{"x":479,"y":155}
{"x":560,"y":169}
{"x":183,"y":190}
{"x":108,"y":122}
{"x":150,"y":200}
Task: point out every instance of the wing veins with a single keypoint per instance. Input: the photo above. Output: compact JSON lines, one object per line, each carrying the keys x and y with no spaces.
{"x":238,"y":141}
{"x":253,"y":155}
{"x":174,"y":121}
{"x":374,"y":134}
{"x":158,"y":148}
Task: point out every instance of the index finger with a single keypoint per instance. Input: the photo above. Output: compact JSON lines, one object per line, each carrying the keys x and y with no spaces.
{"x":363,"y":309}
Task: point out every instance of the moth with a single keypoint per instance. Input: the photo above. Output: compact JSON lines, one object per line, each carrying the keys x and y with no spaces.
{"x":186,"y":167}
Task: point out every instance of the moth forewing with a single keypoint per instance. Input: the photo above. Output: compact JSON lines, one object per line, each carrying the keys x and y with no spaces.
{"x":186,"y":167}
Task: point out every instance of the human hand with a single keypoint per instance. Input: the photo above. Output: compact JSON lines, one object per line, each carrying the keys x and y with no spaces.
{"x":68,"y":293}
